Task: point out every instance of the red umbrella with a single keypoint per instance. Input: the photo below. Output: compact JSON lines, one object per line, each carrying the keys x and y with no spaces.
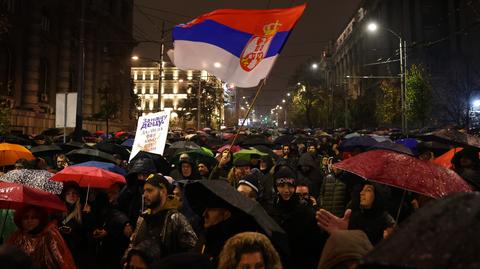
{"x":89,"y":176}
{"x":405,"y":172}
{"x":14,"y":196}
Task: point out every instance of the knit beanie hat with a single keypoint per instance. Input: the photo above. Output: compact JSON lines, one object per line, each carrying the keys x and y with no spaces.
{"x":252,"y":179}
{"x":285,"y":175}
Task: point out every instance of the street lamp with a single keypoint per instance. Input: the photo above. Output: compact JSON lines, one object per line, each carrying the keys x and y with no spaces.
{"x":314,"y":66}
{"x":373,"y":27}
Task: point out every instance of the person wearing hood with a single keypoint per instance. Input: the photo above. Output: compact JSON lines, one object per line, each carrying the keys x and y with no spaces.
{"x":308,"y":171}
{"x":367,"y":213}
{"x":186,"y":170}
{"x":267,"y":182}
{"x":130,"y":198}
{"x":203,"y":169}
{"x":467,"y":164}
{"x":166,"y":230}
{"x":344,"y":249}
{"x":297,"y":218}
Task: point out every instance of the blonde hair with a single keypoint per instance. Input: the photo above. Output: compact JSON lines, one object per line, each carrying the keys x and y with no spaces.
{"x":248,"y":242}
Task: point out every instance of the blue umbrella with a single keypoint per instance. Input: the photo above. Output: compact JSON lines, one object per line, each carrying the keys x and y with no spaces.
{"x":362,"y":142}
{"x":128,"y":143}
{"x":106,"y":166}
{"x":410,"y":143}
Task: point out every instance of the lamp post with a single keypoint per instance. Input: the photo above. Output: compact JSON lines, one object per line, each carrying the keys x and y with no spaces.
{"x":372,"y":27}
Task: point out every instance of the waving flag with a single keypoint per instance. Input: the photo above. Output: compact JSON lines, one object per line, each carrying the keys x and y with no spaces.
{"x":237,"y":46}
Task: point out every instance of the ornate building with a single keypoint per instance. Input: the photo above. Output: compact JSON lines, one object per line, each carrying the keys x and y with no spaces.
{"x":175,"y":89}
{"x":39,"y":46}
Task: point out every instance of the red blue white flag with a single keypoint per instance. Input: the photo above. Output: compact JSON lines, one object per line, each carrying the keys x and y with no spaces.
{"x":236,"y":46}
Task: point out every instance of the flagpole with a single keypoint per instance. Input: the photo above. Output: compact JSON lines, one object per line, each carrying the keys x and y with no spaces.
{"x":264,"y":81}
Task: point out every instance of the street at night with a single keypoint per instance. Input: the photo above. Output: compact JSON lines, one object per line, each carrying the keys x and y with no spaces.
{"x":239,"y":134}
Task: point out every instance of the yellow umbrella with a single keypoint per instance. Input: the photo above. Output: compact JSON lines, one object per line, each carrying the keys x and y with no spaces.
{"x":10,"y":153}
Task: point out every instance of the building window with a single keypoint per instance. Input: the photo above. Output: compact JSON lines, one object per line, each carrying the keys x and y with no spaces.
{"x":45,"y":21}
{"x":168,"y":103}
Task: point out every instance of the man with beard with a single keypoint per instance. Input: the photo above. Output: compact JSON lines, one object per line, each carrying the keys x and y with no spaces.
{"x":162,"y":224}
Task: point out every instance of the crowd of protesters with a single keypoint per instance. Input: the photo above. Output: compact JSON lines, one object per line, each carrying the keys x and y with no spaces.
{"x":330,"y":218}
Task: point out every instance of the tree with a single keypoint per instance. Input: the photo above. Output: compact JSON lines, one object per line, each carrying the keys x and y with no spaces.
{"x":109,"y":106}
{"x":418,"y":96}
{"x":388,"y":107}
{"x":4,"y":116}
{"x":210,"y":102}
{"x":310,"y":99}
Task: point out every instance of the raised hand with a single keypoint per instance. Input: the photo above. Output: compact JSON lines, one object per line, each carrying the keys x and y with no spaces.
{"x":330,"y":222}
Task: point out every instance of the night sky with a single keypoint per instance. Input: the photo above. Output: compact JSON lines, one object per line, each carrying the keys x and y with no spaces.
{"x":322,"y":21}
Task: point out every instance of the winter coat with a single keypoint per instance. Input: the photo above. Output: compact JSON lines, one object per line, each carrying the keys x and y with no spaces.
{"x":313,"y":177}
{"x":372,"y":221}
{"x":130,"y":197}
{"x":177,"y":173}
{"x":168,"y":231}
{"x":305,"y":238}
{"x":333,"y":195}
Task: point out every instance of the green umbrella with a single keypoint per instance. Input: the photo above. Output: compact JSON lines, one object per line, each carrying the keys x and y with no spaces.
{"x":247,"y":153}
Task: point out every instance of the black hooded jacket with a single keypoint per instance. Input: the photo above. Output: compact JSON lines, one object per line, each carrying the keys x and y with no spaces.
{"x":313,"y":176}
{"x":130,"y":197}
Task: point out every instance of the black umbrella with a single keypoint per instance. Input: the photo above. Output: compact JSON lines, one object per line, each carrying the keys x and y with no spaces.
{"x":443,"y":234}
{"x":52,"y":132}
{"x":45,"y":150}
{"x":436,"y":147}
{"x":362,"y":142}
{"x":267,"y":150}
{"x":14,"y":139}
{"x":113,"y":148}
{"x":161,"y":164}
{"x":452,"y":137}
{"x":393,"y":147}
{"x":284,"y":139}
{"x":186,"y":145}
{"x":67,"y":147}
{"x":85,"y":155}
{"x":83,"y":133}
{"x":302,"y":139}
{"x":256,"y":140}
{"x":220,"y":194}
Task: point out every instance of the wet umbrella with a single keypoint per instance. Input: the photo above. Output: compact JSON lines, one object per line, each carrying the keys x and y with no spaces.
{"x":38,"y":179}
{"x":10,"y":153}
{"x":14,"y":139}
{"x":128,"y":143}
{"x":442,"y":234}
{"x":106,"y":166}
{"x":14,"y":196}
{"x":284,"y":139}
{"x":88,"y":176}
{"x":85,"y":155}
{"x":67,"y":147}
{"x":247,"y":153}
{"x":405,"y":172}
{"x":266,"y":150}
{"x":445,"y":159}
{"x":255,"y":140}
{"x":362,"y":142}
{"x":46,"y":150}
{"x":113,"y":148}
{"x":436,"y":147}
{"x":184,"y":145}
{"x":453,"y":137}
{"x":161,"y":164}
{"x":197,"y":155}
{"x":234,"y":148}
{"x":393,"y":147}
{"x":219,"y":194}
{"x":83,"y":133}
{"x":302,"y":139}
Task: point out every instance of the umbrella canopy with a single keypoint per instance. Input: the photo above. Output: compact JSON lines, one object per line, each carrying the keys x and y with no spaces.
{"x":405,"y":172}
{"x":218,"y":193}
{"x":14,"y":139}
{"x":67,"y":147}
{"x":255,"y":140}
{"x":85,"y":155}
{"x":246,"y":153}
{"x":52,"y":132}
{"x":410,"y":143}
{"x":38,"y":179}
{"x":106,"y":166}
{"x":196,"y":156}
{"x":113,"y":148}
{"x":284,"y":139}
{"x":388,"y":145}
{"x":363,"y":142}
{"x":380,"y":138}
{"x":445,"y":159}
{"x":10,"y":153}
{"x":453,"y":137}
{"x":14,"y":196}
{"x":184,"y":145}
{"x":442,"y":234}
{"x":46,"y":150}
{"x":266,"y":150}
{"x":436,"y":147}
{"x":128,"y":143}
{"x":234,"y":148}
{"x":88,"y":176}
{"x":161,"y":164}
{"x":227,"y":136}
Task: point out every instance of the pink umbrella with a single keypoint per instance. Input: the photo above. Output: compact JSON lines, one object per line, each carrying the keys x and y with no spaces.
{"x":234,"y":148}
{"x":405,"y":172}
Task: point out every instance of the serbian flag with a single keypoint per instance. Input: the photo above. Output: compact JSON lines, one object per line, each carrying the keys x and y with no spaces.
{"x":236,"y":46}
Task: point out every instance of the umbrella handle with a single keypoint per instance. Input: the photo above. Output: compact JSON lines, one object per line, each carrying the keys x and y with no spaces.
{"x":86,"y":199}
{"x":401,"y":205}
{"x":4,"y":221}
